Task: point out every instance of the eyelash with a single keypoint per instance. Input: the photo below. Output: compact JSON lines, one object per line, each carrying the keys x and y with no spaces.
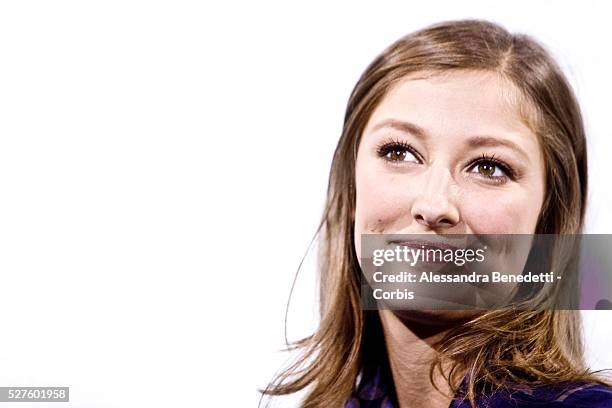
{"x":492,"y":160}
{"x":397,"y":145}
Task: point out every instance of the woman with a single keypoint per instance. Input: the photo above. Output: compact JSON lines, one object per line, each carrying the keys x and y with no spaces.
{"x":460,"y":128}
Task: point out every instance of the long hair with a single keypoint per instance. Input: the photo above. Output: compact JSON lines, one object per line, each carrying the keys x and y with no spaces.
{"x":500,"y":346}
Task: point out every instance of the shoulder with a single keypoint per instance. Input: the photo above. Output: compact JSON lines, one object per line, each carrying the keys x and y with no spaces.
{"x":586,"y":395}
{"x":574,"y":395}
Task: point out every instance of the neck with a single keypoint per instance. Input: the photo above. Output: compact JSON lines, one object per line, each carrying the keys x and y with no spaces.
{"x":411,"y":351}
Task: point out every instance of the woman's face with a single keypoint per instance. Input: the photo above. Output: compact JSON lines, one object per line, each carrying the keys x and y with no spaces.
{"x":448,"y":154}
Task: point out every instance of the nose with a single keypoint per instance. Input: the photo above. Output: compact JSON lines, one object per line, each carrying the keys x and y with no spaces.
{"x":435,"y":207}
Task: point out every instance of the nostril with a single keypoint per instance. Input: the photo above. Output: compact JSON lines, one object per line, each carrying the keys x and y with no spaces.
{"x":433,"y":222}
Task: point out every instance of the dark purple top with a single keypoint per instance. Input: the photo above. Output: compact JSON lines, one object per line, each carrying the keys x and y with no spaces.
{"x":377,"y":393}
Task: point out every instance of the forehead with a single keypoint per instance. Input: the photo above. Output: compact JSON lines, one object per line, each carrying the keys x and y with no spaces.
{"x":462,"y":102}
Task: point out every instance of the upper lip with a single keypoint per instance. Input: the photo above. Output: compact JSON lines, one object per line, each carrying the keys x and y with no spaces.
{"x":435,"y":243}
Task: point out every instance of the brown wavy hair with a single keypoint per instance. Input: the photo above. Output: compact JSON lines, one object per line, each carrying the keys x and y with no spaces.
{"x":498,"y":347}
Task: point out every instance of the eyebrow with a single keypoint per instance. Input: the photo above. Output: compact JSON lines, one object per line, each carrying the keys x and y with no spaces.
{"x":474,"y":141}
{"x":490,"y":141}
{"x":406,"y":127}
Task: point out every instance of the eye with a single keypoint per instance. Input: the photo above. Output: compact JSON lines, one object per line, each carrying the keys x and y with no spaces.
{"x":488,"y":169}
{"x":491,"y":168}
{"x":397,"y":151}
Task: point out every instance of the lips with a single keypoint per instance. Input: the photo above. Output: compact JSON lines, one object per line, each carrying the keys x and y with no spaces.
{"x":424,"y":244}
{"x":428,"y":246}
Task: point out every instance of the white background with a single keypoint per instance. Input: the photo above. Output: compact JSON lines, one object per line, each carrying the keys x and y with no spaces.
{"x":163,"y":166}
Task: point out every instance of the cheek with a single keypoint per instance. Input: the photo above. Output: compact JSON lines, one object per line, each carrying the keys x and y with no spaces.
{"x":379,"y":203}
{"x":502,"y":212}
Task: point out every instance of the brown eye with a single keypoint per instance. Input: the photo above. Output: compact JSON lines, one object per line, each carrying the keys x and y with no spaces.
{"x":397,"y":155}
{"x":489,"y":169}
{"x":486,"y":169}
{"x":398,"y":152}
